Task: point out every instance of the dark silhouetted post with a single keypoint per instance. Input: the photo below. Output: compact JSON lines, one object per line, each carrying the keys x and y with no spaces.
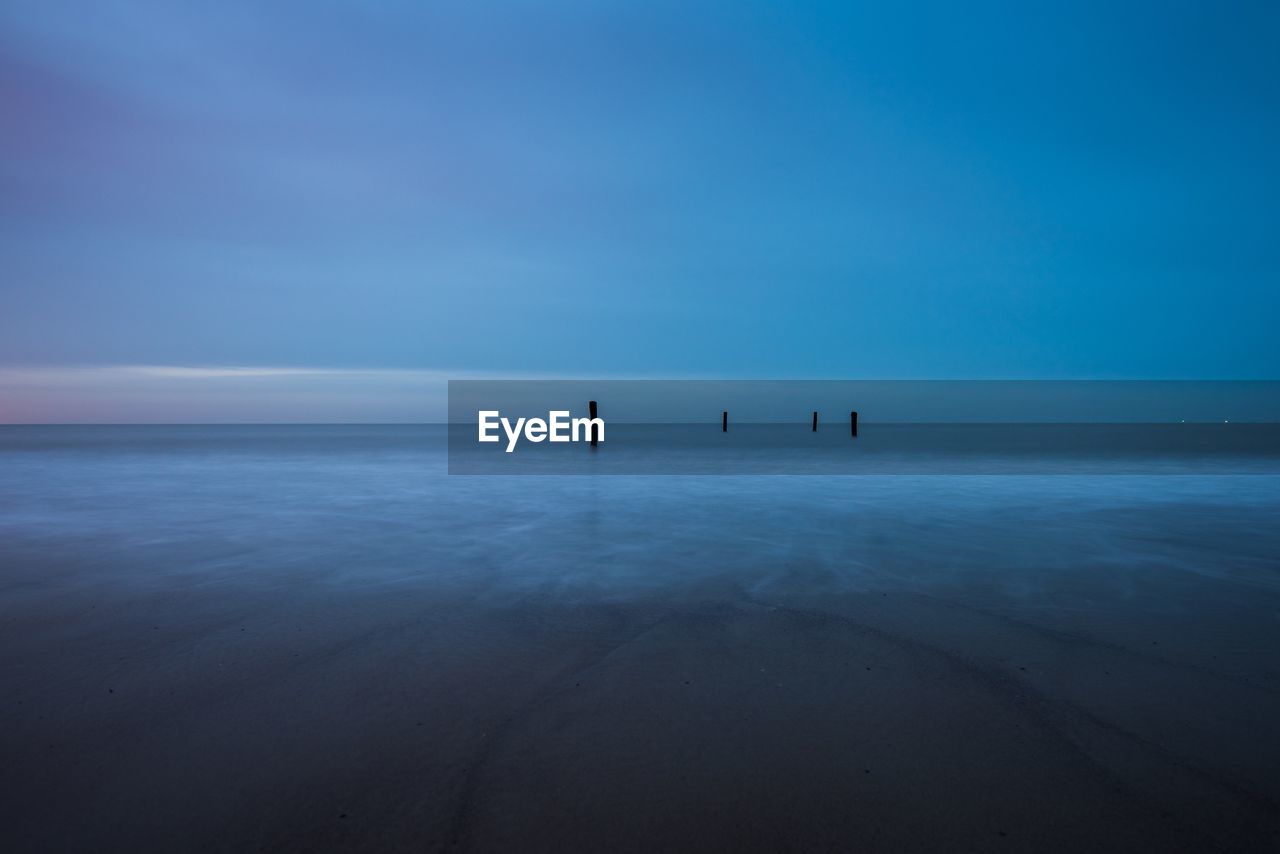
{"x":853,"y":424}
{"x":595,"y":433}
{"x":724,"y":421}
{"x":815,"y":421}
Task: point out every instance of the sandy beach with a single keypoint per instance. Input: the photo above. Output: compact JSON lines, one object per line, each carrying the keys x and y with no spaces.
{"x":284,"y":663}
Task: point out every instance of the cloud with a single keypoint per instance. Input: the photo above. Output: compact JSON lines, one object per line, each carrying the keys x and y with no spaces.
{"x":220,"y":394}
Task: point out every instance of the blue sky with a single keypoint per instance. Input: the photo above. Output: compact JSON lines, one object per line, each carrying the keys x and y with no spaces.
{"x":652,"y":189}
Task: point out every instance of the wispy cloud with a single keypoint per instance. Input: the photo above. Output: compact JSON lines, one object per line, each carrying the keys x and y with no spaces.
{"x":62,"y":375}
{"x":220,"y":393}
{"x":213,"y":394}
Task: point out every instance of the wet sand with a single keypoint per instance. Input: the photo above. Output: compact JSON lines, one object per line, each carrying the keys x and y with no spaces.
{"x":222,"y":717}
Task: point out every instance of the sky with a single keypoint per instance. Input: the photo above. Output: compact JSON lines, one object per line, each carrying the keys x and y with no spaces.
{"x":330,"y":206}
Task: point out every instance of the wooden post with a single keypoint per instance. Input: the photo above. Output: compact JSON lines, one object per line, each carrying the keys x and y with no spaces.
{"x":591,"y":411}
{"x":853,"y":424}
{"x":724,"y":421}
{"x":815,"y":421}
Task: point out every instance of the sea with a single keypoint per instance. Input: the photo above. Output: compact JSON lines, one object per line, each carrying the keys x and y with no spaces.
{"x":927,"y":637}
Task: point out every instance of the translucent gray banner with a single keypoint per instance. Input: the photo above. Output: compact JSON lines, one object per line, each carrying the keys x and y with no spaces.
{"x":850,"y":427}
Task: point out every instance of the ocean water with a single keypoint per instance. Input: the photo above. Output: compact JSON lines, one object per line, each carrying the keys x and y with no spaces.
{"x":374,"y":504}
{"x":145,"y":508}
{"x":1131,"y":618}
